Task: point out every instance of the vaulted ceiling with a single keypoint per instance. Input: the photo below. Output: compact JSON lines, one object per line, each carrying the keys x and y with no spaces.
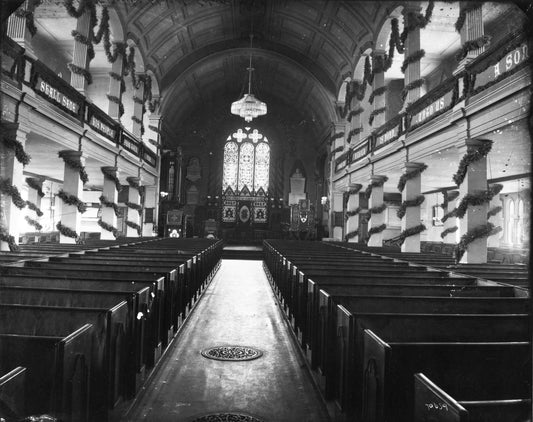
{"x":302,"y":50}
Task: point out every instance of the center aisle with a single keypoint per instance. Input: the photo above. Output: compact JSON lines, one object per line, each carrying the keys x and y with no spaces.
{"x":237,"y":309}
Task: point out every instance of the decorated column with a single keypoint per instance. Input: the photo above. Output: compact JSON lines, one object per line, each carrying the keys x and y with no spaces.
{"x":357,"y":91}
{"x":338,"y":222}
{"x":134,"y":208}
{"x":138,"y":107}
{"x":80,"y":76}
{"x":470,"y":25}
{"x":109,"y":198}
{"x":410,"y":186}
{"x":21,"y":26}
{"x":495,"y":217}
{"x":352,"y":214}
{"x":449,"y":219}
{"x":71,"y":195}
{"x":12,"y":160}
{"x":337,"y":146}
{"x":413,"y":53}
{"x":376,"y":225}
{"x":117,"y":86}
{"x":149,"y":210}
{"x":377,"y":97}
{"x":35,"y":194}
{"x":471,"y":177}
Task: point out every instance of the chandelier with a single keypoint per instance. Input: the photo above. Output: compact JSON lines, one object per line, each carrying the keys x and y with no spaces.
{"x":249,"y":107}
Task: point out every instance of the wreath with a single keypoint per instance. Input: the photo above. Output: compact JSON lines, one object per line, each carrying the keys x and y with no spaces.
{"x":72,"y":200}
{"x":472,"y":155}
{"x":108,"y":227}
{"x":34,"y":184}
{"x":75,"y":165}
{"x":410,"y":175}
{"x":476,"y":233}
{"x":66,"y":231}
{"x":107,"y":203}
{"x":33,"y":223}
{"x":448,"y":231}
{"x":10,"y":240}
{"x":10,"y":190}
{"x":410,"y":203}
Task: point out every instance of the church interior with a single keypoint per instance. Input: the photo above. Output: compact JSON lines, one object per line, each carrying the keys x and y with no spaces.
{"x":265,"y":210}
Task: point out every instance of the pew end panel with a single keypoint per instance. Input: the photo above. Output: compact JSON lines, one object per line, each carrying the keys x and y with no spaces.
{"x":13,"y":394}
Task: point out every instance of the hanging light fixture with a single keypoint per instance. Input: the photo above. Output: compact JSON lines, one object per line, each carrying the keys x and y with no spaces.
{"x":249,"y":107}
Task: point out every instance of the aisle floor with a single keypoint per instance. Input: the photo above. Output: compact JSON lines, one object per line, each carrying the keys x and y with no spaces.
{"x":238,"y":308}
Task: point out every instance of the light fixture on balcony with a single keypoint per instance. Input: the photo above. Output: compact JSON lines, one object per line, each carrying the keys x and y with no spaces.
{"x":249,"y":107}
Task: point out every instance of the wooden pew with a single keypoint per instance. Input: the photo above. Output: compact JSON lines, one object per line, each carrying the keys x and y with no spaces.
{"x":407,"y":327}
{"x":110,"y":343}
{"x":132,"y":375}
{"x":12,"y":394}
{"x":149,"y":303}
{"x":324,"y":336}
{"x":57,"y":378}
{"x":475,"y":369}
{"x":434,"y":403}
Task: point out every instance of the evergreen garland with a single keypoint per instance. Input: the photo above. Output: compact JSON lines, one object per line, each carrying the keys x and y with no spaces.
{"x":75,"y":165}
{"x":79,"y":37}
{"x":137,"y":100}
{"x":494,"y":211}
{"x":449,"y":231}
{"x":133,"y":183}
{"x":377,"y":92}
{"x":72,"y":200}
{"x":34,"y":208}
{"x":464,"y":9}
{"x":417,"y":83}
{"x":21,"y":155}
{"x":154,"y":128}
{"x":351,"y":235}
{"x":469,"y":46}
{"x":335,"y":136}
{"x":374,"y":184}
{"x":107,"y":203}
{"x":81,"y":71}
{"x":476,"y":199}
{"x":419,"y":200}
{"x":353,"y":213}
{"x":353,"y":132}
{"x":414,"y":57}
{"x":114,"y":178}
{"x":417,"y":20}
{"x":66,"y":231}
{"x":34,"y":184}
{"x":10,"y":240}
{"x":334,"y":151}
{"x":394,"y":39}
{"x":134,"y":226}
{"x":355,"y":189}
{"x":472,"y":155}
{"x":411,"y":231}
{"x":354,"y":113}
{"x":410,"y":175}
{"x":476,"y":233}
{"x":108,"y":227}
{"x":378,"y":209}
{"x":33,"y":223}
{"x":116,"y":100}
{"x":28,"y":15}
{"x":368,"y":75}
{"x":76,"y":13}
{"x":10,"y":190}
{"x":376,"y":112}
{"x":451,"y":213}
{"x":374,"y":230}
{"x":136,"y":207}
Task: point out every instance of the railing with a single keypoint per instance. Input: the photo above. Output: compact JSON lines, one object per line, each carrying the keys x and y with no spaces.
{"x":502,"y":60}
{"x":67,"y":99}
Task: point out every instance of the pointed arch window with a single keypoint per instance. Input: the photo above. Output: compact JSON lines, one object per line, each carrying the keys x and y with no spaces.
{"x":246,"y":161}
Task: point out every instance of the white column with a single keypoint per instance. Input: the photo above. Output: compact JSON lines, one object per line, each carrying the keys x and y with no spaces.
{"x":11,"y":171}
{"x":138,"y":107}
{"x":150,"y":201}
{"x":474,"y":182}
{"x":110,"y":193}
{"x":378,"y":82}
{"x":412,"y":214}
{"x":134,"y":198}
{"x":80,"y":56}
{"x":412,"y":44}
{"x":115,"y":86}
{"x":352,"y":224}
{"x":376,"y":220}
{"x":451,"y":222}
{"x":337,"y":207}
{"x":72,"y":185}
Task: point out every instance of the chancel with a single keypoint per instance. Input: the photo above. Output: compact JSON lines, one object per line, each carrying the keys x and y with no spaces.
{"x":255,"y":210}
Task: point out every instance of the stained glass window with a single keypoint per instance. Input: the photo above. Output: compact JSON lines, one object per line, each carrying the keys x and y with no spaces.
{"x":246,"y":161}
